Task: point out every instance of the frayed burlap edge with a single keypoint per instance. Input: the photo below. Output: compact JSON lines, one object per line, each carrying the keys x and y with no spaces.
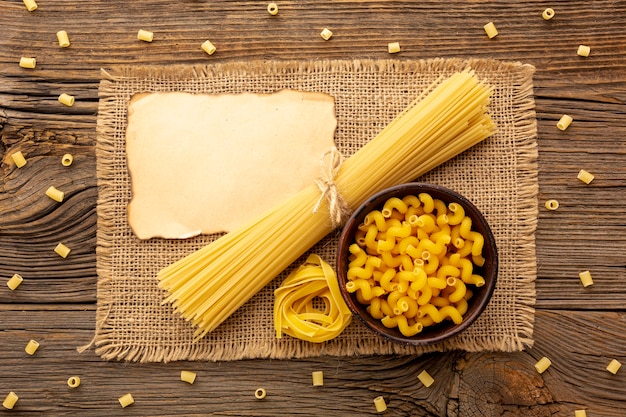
{"x":526,"y":148}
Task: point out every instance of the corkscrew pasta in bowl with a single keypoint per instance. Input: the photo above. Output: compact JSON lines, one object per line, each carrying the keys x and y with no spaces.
{"x":417,"y":263}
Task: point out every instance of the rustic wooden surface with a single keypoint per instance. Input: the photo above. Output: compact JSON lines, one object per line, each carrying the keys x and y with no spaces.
{"x":580,"y":329}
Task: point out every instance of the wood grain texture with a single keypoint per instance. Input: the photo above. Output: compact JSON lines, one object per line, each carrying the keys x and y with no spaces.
{"x":580,"y":329}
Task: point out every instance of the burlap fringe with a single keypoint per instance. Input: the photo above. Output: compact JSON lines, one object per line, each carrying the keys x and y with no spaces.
{"x":106,"y":346}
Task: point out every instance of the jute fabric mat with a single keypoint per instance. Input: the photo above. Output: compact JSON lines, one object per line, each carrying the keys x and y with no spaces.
{"x":499,"y":176}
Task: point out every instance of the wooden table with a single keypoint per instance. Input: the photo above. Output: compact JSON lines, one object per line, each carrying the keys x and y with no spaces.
{"x":579,"y":329}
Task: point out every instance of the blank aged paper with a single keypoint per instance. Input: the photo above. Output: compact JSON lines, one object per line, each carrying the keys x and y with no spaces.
{"x":204,"y":163}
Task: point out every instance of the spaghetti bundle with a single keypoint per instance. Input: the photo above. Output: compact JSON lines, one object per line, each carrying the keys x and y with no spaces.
{"x":207,"y":286}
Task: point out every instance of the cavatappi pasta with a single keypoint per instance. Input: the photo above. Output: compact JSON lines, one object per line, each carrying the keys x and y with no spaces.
{"x":295,"y":311}
{"x":413,"y":262}
{"x":207,"y":286}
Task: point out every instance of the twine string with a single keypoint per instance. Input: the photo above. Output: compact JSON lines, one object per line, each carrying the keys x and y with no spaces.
{"x":330,"y":163}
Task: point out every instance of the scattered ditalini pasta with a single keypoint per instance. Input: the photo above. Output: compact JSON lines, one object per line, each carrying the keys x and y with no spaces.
{"x":272,"y":9}
{"x":73,"y":381}
{"x":552,"y":205}
{"x":260,"y":393}
{"x":564,"y":122}
{"x":543,"y":364}
{"x":27,"y":62}
{"x":208,"y":47}
{"x":583,"y":50}
{"x":393,"y":47}
{"x":67,"y":159}
{"x":31,"y":347}
{"x":318,"y":378}
{"x":18,"y":158}
{"x":580,"y":413}
{"x":380,"y":404}
{"x":585,"y":278}
{"x":548,"y":13}
{"x":425,"y":378}
{"x":491,"y":30}
{"x":326,"y":34}
{"x":145,"y":35}
{"x":63,"y":38}
{"x":55,"y":194}
{"x":126,"y":400}
{"x":31,"y":5}
{"x":62,"y":250}
{"x":14,"y":282}
{"x":10,"y":400}
{"x":66,"y":99}
{"x":613,"y":366}
{"x":188,"y":376}
{"x":585,"y":176}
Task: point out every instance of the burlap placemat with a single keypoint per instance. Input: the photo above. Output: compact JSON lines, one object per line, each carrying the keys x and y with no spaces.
{"x":499,"y":175}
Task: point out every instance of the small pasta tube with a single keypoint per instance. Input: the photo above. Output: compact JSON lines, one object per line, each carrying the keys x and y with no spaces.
{"x":326,"y":34}
{"x":67,"y":160}
{"x":55,"y":194}
{"x":73,"y":381}
{"x":580,"y":413}
{"x":425,"y":378}
{"x":28,"y":62}
{"x":613,"y":366}
{"x":260,"y":393}
{"x":583,"y":50}
{"x":585,"y":278}
{"x":10,"y":400}
{"x":63,"y":38}
{"x":564,"y":122}
{"x":318,"y":378}
{"x":14,"y":282}
{"x":543,"y":364}
{"x":272,"y":9}
{"x":31,"y":5}
{"x":31,"y":347}
{"x":491,"y":30}
{"x":66,"y":99}
{"x":380,"y":404}
{"x":126,"y":400}
{"x":548,"y":13}
{"x":62,"y":250}
{"x":393,"y":47}
{"x":208,"y":47}
{"x":18,"y":158}
{"x":145,"y":35}
{"x":585,"y":176}
{"x":552,"y":205}
{"x":188,"y":376}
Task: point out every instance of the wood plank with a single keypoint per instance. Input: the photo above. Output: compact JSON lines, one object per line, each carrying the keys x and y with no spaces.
{"x":465,"y":383}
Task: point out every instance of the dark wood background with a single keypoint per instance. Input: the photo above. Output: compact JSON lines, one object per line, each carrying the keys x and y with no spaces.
{"x":580,"y":329}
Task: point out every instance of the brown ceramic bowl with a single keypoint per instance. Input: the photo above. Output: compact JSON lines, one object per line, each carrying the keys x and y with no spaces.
{"x":478,"y":302}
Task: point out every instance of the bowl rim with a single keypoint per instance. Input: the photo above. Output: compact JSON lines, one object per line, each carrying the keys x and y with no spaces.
{"x":487,"y":290}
